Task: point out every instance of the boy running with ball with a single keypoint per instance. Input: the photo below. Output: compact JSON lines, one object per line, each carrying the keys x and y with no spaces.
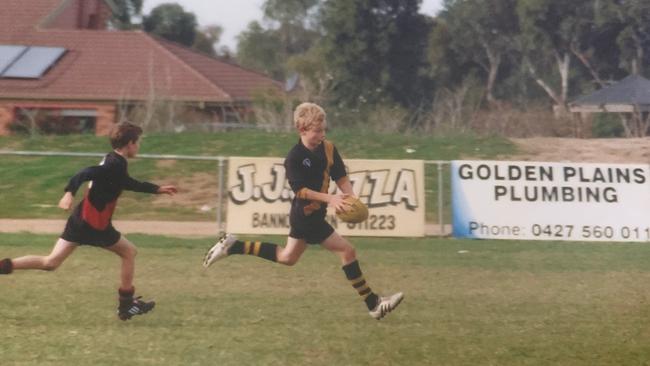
{"x":310,"y":165}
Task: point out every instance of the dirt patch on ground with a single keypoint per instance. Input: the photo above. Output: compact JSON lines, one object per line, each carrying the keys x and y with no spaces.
{"x":198,"y":191}
{"x":622,"y":151}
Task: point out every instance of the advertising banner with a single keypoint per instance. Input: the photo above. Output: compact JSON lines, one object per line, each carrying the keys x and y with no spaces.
{"x":550,"y":201}
{"x":259,"y":197}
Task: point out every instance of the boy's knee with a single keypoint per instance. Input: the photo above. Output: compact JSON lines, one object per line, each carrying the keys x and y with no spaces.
{"x":51,"y":264}
{"x":129,"y":252}
{"x":348,"y":254}
{"x":288,"y":260}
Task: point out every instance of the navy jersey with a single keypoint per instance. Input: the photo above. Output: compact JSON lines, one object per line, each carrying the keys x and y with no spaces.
{"x":312,"y":170}
{"x":108,"y":180}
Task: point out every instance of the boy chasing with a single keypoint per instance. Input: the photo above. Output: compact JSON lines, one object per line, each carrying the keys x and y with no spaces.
{"x":90,"y":222}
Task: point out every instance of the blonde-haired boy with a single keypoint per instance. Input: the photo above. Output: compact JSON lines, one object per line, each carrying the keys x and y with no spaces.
{"x":306,"y":164}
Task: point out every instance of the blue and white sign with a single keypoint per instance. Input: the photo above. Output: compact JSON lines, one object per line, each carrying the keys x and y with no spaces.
{"x":550,"y":201}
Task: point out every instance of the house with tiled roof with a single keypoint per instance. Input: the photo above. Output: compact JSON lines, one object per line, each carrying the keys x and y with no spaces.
{"x":59,"y":58}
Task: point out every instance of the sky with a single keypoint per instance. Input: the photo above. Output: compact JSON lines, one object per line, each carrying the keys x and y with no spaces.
{"x":235,"y":18}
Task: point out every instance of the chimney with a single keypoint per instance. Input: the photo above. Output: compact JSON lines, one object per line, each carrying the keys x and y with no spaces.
{"x":81,"y":14}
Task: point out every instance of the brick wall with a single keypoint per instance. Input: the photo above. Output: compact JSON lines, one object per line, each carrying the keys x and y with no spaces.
{"x":104,"y":121}
{"x":6,"y":116}
{"x":83,"y":14}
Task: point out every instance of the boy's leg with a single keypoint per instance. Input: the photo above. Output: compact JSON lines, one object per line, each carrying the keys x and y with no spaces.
{"x":127,"y":252}
{"x":291,"y":252}
{"x":62,"y":250}
{"x":378,"y":306}
{"x":128,"y":306}
{"x":338,"y":245}
{"x":229,"y":245}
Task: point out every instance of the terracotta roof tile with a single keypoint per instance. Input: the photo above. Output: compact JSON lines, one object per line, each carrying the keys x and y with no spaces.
{"x":235,"y":80}
{"x":21,"y":16}
{"x":119,"y":65}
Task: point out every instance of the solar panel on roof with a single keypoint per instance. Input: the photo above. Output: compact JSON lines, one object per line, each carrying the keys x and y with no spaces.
{"x":8,"y":54}
{"x":34,"y":62}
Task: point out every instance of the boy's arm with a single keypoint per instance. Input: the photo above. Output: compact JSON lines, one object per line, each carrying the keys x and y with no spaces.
{"x":134,"y":185}
{"x":345,"y":185}
{"x":131,"y":184}
{"x":337,"y":201}
{"x":66,"y":201}
{"x":84,"y":175}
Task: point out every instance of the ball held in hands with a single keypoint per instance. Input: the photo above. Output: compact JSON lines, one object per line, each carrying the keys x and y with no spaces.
{"x":355,"y":213}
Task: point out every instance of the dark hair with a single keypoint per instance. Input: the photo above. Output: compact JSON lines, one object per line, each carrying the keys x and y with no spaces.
{"x":123,"y":133}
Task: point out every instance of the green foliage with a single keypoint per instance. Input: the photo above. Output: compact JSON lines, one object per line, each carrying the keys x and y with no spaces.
{"x":483,"y":33}
{"x":125,"y":10}
{"x":376,"y":53}
{"x":498,"y":303}
{"x":260,"y":49}
{"x":287,"y":32}
{"x":607,"y":125}
{"x":172,"y":22}
{"x":364,"y":55}
{"x":207,"y":38}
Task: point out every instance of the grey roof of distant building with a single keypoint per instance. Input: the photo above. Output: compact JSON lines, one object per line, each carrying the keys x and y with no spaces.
{"x":632,"y":90}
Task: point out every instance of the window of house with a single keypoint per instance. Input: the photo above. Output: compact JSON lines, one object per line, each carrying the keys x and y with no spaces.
{"x":54,"y":121}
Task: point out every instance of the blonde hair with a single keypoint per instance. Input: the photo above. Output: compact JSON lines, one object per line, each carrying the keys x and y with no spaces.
{"x":308,"y":115}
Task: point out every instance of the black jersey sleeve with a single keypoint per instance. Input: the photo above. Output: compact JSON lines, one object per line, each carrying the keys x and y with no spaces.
{"x":338,"y":168}
{"x":87,"y":174}
{"x":134,"y":185}
{"x":295,"y":175}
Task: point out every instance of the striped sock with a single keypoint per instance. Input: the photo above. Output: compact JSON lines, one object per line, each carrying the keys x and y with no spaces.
{"x":126,"y":296}
{"x":354,"y":275}
{"x":256,"y":248}
{"x":6,"y":266}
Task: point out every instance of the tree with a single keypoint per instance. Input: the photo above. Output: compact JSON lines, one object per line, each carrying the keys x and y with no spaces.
{"x":634,"y":37}
{"x":289,"y":29}
{"x":315,"y":77}
{"x":375,"y":50}
{"x":595,"y":44}
{"x":207,"y":38}
{"x":484,"y":31}
{"x":125,"y":10}
{"x":259,"y":49}
{"x":170,"y":21}
{"x":550,"y":27}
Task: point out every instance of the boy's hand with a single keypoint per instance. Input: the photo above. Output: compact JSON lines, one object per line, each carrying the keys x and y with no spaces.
{"x":339,"y":203}
{"x":170,"y":190}
{"x":66,"y":201}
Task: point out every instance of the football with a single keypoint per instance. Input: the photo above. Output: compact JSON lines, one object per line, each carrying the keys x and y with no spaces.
{"x":356,"y":212}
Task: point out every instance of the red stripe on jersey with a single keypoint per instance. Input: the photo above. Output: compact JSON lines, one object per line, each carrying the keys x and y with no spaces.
{"x":97,"y":219}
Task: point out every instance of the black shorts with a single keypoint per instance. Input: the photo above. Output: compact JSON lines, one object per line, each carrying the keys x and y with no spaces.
{"x":78,"y":231}
{"x":314,"y":229}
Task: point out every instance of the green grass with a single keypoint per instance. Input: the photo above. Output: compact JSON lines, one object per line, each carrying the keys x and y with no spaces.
{"x":499,"y":303}
{"x":30,"y":187}
{"x":352,"y":143}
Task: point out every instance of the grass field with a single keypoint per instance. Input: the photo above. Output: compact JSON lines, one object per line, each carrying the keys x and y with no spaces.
{"x":467,"y":303}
